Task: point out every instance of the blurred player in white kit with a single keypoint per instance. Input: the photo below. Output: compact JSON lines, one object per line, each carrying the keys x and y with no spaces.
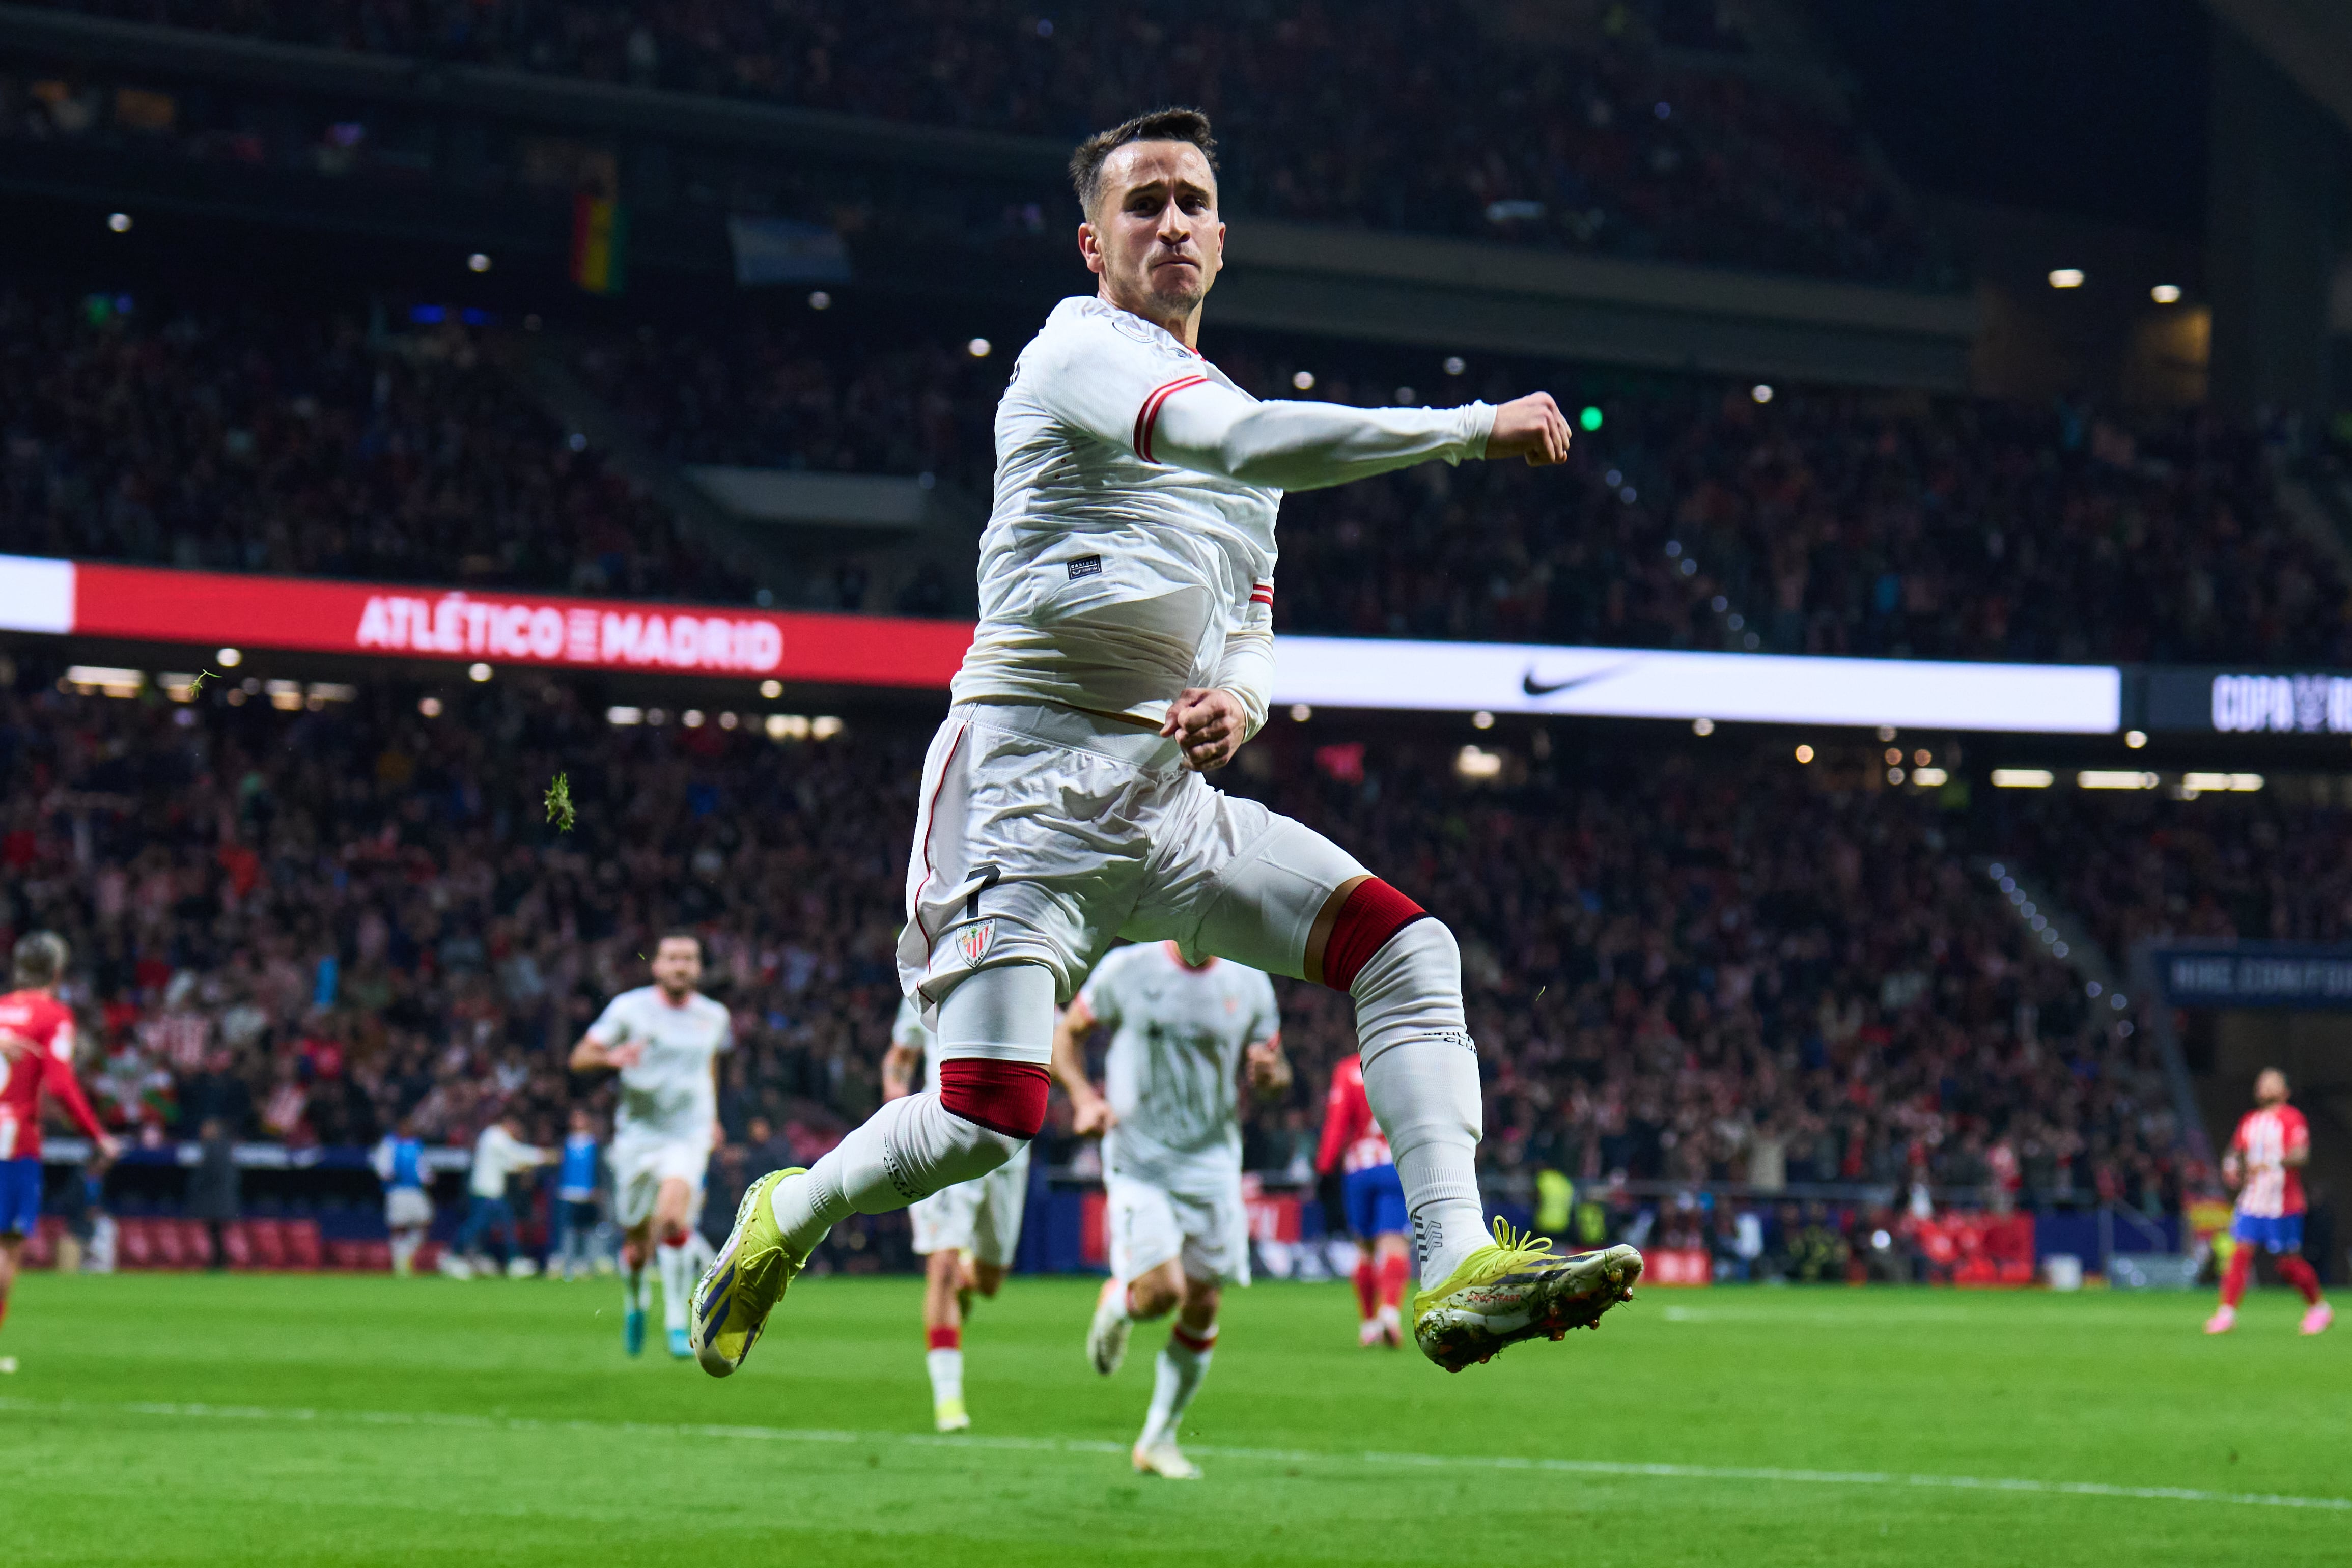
{"x":1125,"y":649}
{"x":966,"y":1235}
{"x":1179,"y":1033}
{"x":664,"y":1040}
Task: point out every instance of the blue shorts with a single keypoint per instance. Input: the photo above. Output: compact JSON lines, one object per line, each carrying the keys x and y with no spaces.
{"x":20,"y":1196}
{"x":1375,"y":1201}
{"x":2276,"y":1234}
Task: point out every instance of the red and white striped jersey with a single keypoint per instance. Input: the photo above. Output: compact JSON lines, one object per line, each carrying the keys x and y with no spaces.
{"x":2266,"y":1138}
{"x":1352,"y":1140}
{"x":37,"y":1031}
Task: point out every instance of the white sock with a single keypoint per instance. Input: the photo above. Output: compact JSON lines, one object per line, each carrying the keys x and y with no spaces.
{"x":947,"y":1374}
{"x":907,"y":1151}
{"x":676,"y":1283}
{"x":403,"y":1249}
{"x":1175,"y":1378}
{"x":632,"y":1289}
{"x":1421,"y":1075}
{"x":914,"y":1146}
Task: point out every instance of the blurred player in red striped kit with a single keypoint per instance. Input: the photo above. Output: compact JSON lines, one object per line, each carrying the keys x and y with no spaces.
{"x":1372,"y":1199}
{"x":2265,"y":1163}
{"x":37,"y":1052}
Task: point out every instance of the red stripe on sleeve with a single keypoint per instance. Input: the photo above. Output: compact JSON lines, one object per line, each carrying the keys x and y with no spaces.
{"x":1148,"y":416}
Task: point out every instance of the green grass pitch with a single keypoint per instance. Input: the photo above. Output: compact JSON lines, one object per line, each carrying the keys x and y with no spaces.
{"x":244,"y":1419}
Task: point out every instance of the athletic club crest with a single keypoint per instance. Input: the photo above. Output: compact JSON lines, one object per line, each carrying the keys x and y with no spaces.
{"x":975,"y":941}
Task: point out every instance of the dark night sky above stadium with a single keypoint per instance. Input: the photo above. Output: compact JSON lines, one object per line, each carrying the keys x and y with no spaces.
{"x":2094,"y":107}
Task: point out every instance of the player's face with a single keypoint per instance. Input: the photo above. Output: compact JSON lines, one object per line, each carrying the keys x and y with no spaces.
{"x":1155,"y":238}
{"x":677,"y":966}
{"x":2269,"y":1089}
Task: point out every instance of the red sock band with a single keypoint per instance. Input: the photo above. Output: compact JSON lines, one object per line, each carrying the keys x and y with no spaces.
{"x":1196,"y":1343}
{"x":2296,"y":1270}
{"x":1003,"y":1097}
{"x":673,"y":1238}
{"x":1368,"y":1290}
{"x":1392,"y":1272}
{"x":2233,"y":1282}
{"x":1374,"y":914}
{"x":944,"y":1338}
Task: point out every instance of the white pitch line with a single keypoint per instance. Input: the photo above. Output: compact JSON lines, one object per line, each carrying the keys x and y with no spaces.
{"x":1275,"y":1455}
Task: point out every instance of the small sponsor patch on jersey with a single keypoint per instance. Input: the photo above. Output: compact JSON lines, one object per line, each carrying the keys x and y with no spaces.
{"x":1085,"y":567}
{"x":975,"y":941}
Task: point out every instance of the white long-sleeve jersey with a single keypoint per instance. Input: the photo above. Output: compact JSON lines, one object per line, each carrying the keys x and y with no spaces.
{"x":1131,"y":550}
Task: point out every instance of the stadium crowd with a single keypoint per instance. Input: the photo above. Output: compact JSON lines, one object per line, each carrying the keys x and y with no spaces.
{"x":2268,"y":866}
{"x":312,"y":926}
{"x":1454,"y":119}
{"x":1696,"y":516}
{"x":780,"y":394}
{"x":1821,"y":521}
{"x":266,"y":438}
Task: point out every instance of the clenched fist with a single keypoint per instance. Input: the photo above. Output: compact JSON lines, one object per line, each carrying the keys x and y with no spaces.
{"x":1532,"y":427}
{"x":1209,"y":725}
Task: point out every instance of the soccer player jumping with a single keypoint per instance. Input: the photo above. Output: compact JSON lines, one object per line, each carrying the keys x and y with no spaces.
{"x":1125,"y":649}
{"x":2265,"y":1163}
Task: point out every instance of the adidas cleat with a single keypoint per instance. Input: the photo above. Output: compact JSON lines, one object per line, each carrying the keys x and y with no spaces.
{"x":744,"y":1282}
{"x":1106,"y":1335}
{"x":633,"y":1330}
{"x":950,"y":1416}
{"x":1164,"y":1459}
{"x":1514,"y":1288}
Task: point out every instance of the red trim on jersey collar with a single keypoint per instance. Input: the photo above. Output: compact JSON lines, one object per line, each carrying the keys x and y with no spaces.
{"x":1147,"y":417}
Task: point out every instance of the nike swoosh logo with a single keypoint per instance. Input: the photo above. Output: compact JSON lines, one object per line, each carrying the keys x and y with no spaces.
{"x":1534,"y":688}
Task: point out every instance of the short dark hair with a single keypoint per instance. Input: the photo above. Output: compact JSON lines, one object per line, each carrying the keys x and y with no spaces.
{"x":40,"y":959}
{"x":1160,"y":125}
{"x":694,"y":937}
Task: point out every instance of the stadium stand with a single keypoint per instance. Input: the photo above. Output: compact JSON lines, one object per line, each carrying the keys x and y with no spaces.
{"x":316,"y":922}
{"x":261,"y":439}
{"x":1601,"y":141}
{"x":2269,"y":865}
{"x":1825,"y":522}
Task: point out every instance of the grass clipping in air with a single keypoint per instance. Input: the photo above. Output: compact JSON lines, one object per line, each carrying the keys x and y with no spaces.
{"x":559,"y":803}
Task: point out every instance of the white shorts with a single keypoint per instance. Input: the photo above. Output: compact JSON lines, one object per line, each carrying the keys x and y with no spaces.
{"x":405,"y":1207}
{"x":982,"y":1217}
{"x":640,"y":1165}
{"x":1046,"y":833}
{"x":1205,"y":1229}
